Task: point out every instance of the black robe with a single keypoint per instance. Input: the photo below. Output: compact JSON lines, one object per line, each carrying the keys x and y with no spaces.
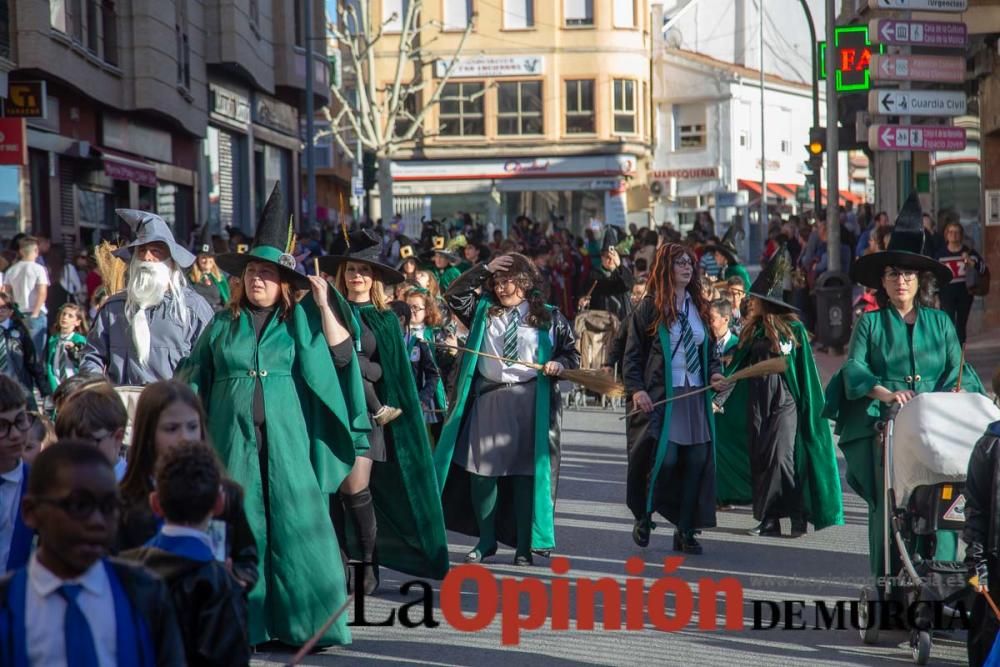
{"x":612,"y":290}
{"x":643,"y":370}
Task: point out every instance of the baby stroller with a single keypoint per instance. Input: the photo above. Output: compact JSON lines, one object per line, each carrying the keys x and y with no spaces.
{"x":595,"y":330}
{"x":925,"y":456}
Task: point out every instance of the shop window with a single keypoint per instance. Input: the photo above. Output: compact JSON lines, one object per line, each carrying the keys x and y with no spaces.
{"x":580,"y":107}
{"x":10,"y":201}
{"x":624,"y":106}
{"x":394,"y":14}
{"x":518,"y":14}
{"x":461,"y":110}
{"x":624,"y":13}
{"x":578,"y":12}
{"x":520,"y":108}
{"x":689,"y":126}
{"x":4,"y":28}
{"x":457,"y":14}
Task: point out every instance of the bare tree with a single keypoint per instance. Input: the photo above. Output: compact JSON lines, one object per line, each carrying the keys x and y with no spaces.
{"x":385,"y":118}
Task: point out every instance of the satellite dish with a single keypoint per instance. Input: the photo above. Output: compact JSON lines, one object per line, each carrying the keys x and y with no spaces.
{"x":674,"y":38}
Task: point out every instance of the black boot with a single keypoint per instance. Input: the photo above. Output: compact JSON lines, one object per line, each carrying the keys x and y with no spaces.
{"x":684,"y":541}
{"x":362,"y":511}
{"x":641,"y":530}
{"x":799,"y":527}
{"x":767,"y":528}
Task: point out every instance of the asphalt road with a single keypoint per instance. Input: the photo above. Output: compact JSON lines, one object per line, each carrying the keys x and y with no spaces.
{"x":593,"y":530}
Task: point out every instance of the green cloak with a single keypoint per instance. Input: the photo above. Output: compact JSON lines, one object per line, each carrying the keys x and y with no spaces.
{"x":732,"y":463}
{"x":738,"y":270}
{"x":445,"y":277}
{"x":50,"y":356}
{"x":411,"y":534}
{"x":815,"y":456}
{"x":882,"y":353}
{"x":315,"y":422}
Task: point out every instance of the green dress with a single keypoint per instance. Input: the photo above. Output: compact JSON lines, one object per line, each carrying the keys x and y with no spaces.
{"x":732,"y":465}
{"x":883,"y":352}
{"x":315,"y":420}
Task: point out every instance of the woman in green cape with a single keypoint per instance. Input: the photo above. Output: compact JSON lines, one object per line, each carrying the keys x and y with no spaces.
{"x":497,"y":469}
{"x":206,"y":277}
{"x":727,"y":255}
{"x":793,"y":465}
{"x":905,"y":348}
{"x":287,"y":424}
{"x":390,"y":495}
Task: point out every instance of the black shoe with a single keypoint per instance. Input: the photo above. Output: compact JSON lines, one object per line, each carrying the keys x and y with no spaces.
{"x":799,"y":527}
{"x":767,"y":528}
{"x":521,"y":560}
{"x":544,"y":553}
{"x":477,"y":556}
{"x":684,"y":541}
{"x":371,"y":578}
{"x":641,"y":530}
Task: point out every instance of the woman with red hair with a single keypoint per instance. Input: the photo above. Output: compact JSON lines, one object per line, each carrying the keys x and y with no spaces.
{"x":669,"y":353}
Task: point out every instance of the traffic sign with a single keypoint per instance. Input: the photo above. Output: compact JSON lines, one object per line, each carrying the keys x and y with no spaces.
{"x":941,"y":69}
{"x":916,"y":138}
{"x":917,"y":102}
{"x":921,"y":5}
{"x":919,"y":33}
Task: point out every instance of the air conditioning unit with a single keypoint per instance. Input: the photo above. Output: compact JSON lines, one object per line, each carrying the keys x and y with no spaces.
{"x":656,"y":188}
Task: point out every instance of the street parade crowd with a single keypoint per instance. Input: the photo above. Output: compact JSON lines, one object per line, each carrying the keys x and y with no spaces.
{"x":237,"y":422}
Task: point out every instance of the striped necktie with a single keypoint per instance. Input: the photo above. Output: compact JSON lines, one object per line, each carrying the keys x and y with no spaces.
{"x":4,"y":356}
{"x":687,"y":340}
{"x":510,"y":337}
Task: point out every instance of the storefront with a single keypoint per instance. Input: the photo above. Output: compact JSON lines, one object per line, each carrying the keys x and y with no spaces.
{"x":576,"y":189}
{"x":225,"y":172}
{"x":275,"y":148}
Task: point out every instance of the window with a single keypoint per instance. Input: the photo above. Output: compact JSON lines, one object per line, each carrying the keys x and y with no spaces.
{"x":183,"y":45}
{"x":109,"y":24}
{"x":580,"y":107}
{"x":624,"y":13}
{"x":300,"y":37}
{"x":93,"y":36}
{"x":393,"y":14}
{"x":520,"y":108}
{"x":57,"y":15}
{"x":579,"y":12}
{"x":518,"y":14}
{"x":624,"y":106}
{"x":786,"y":147}
{"x":689,"y":126}
{"x":254,"y":13}
{"x":407,"y":114}
{"x":75,"y":19}
{"x":457,"y":14}
{"x":4,"y":29}
{"x":461,"y":112}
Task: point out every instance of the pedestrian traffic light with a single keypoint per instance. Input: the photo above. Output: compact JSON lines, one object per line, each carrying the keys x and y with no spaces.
{"x":816,"y":147}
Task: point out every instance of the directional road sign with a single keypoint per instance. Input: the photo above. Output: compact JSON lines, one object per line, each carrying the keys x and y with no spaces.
{"x":919,"y":33}
{"x":917,"y":102}
{"x":916,"y":138}
{"x":921,"y":5}
{"x":942,"y":69}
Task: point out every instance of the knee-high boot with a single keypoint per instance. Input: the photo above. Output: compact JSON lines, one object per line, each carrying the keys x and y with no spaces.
{"x":338,"y":518}
{"x":362,"y":511}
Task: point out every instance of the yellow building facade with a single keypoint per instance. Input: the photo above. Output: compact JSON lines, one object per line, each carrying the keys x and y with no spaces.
{"x":545,"y":113}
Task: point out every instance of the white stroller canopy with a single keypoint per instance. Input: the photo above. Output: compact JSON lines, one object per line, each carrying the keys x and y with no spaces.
{"x":933,"y":438}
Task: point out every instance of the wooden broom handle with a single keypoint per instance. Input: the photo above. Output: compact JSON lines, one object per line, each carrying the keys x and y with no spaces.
{"x":993,"y":605}
{"x":529,"y":364}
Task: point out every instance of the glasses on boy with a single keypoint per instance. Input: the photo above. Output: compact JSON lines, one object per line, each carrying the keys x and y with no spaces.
{"x":81,"y":505}
{"x":23,"y":421}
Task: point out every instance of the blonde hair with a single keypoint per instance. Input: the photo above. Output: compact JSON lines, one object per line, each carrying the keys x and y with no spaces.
{"x":197,"y":274}
{"x":377,"y":292}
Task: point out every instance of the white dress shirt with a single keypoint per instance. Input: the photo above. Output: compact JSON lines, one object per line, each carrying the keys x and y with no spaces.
{"x":678,"y":365}
{"x":46,"y":611}
{"x":10,"y":493}
{"x":720,"y":345}
{"x":527,"y":348}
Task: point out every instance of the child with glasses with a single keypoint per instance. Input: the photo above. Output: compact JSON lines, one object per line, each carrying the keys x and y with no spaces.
{"x":425,"y":371}
{"x":71,"y":604}
{"x":211,"y":607}
{"x":98,"y":416}
{"x":15,"y":422}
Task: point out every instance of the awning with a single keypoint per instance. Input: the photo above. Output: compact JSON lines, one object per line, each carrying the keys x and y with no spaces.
{"x":784,"y":191}
{"x":124,"y":168}
{"x":845,"y":196}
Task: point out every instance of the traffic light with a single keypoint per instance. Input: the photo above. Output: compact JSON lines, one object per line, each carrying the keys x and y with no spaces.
{"x":816,"y":147}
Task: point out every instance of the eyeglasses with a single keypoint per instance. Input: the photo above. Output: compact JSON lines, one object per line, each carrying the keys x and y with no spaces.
{"x":416,"y":309}
{"x":683,"y":261}
{"x":23,"y":422}
{"x":894,"y":275}
{"x":80,"y":505}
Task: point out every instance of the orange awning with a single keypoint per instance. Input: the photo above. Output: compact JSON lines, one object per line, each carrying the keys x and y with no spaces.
{"x":779,"y":190}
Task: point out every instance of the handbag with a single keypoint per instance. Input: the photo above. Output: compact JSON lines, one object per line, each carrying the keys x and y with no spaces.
{"x":982,"y":286}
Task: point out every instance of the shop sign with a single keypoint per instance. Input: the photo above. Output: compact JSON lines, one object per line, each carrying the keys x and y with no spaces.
{"x":685,"y":174}
{"x":13,"y":141}
{"x":229,"y":104}
{"x":491,"y":66}
{"x":275,"y":114}
{"x":25,"y":99}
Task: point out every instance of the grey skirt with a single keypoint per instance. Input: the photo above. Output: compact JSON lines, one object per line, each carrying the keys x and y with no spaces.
{"x":498,"y":435}
{"x":376,"y":445}
{"x":688,"y":419}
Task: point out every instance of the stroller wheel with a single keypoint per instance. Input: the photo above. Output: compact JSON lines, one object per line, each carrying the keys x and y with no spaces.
{"x":868,"y":615}
{"x":921,"y":646}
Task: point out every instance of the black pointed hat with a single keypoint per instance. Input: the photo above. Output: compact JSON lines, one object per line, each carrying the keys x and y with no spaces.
{"x":204,"y":245}
{"x":361,"y":246}
{"x":407,"y":250}
{"x":612,"y":237}
{"x":273,"y":243}
{"x":437,"y":244}
{"x":727,"y":246}
{"x":905,"y":250}
{"x":769,"y":285}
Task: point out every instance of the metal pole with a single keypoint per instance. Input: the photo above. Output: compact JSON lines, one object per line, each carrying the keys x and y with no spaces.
{"x":817,"y":184}
{"x":310,"y":212}
{"x":832,"y":148}
{"x":763,"y":142}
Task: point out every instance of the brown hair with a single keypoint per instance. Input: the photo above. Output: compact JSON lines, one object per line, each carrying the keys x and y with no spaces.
{"x":775,"y":321}
{"x":661,"y":285}
{"x":432,"y":283}
{"x":376,"y":293}
{"x":81,"y":328}
{"x":287,"y":297}
{"x":188,"y":479}
{"x":93,"y":409}
{"x":525,"y":275}
{"x":433,"y":314}
{"x":153,"y":400}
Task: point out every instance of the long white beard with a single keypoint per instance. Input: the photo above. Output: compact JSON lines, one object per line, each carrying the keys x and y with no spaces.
{"x":147,"y":286}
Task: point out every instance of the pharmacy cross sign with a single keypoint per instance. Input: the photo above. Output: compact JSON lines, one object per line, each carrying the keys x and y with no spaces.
{"x":853,"y":52}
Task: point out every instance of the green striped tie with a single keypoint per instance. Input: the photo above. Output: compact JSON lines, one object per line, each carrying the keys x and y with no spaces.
{"x":510,"y":337}
{"x":4,"y":356}
{"x":690,"y":348}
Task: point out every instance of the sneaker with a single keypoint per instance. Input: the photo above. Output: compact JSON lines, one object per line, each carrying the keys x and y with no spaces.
{"x":386,"y":414}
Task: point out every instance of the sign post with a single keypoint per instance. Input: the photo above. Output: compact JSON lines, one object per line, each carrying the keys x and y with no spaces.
{"x":939,"y":34}
{"x":939,"y":69}
{"x":916,"y":138}
{"x":13,"y":141}
{"x":917,"y":102}
{"x":920,"y":5}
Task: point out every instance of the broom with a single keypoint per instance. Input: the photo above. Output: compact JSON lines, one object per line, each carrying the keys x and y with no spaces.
{"x":993,"y":659}
{"x":961,"y":367}
{"x":594,"y":380}
{"x":111,"y":269}
{"x":766,"y":367}
{"x":309,"y":645}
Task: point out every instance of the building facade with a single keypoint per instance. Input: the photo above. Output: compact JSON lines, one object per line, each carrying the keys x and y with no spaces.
{"x":188,"y":108}
{"x":544,"y":114}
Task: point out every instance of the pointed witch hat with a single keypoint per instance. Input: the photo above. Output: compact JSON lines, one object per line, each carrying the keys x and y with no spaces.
{"x":727,"y":246}
{"x":362,"y":247}
{"x":151,"y":228}
{"x":407,"y":251}
{"x":204,"y":245}
{"x":905,"y":250}
{"x":769,"y":285}
{"x":273,"y":243}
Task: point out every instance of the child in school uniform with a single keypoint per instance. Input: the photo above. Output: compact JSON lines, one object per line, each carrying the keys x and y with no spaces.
{"x":96,"y":415}
{"x":425,"y":371}
{"x":70,"y":605}
{"x":65,"y":344}
{"x":15,"y":422}
{"x":210,"y":604}
{"x":40,"y":435}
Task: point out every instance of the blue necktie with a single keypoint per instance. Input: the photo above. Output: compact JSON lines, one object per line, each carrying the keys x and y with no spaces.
{"x":80,"y":649}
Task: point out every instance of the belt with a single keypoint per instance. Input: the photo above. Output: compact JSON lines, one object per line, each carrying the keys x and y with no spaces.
{"x":252,"y":373}
{"x":483,"y":386}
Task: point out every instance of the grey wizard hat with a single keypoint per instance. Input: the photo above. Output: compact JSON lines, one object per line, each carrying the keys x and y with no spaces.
{"x":149,"y":228}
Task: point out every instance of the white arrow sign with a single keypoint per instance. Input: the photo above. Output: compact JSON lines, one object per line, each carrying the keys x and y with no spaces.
{"x":921,"y":5}
{"x":917,"y":102}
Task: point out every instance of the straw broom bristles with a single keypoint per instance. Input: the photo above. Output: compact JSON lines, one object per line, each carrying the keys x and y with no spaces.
{"x":111,"y":269}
